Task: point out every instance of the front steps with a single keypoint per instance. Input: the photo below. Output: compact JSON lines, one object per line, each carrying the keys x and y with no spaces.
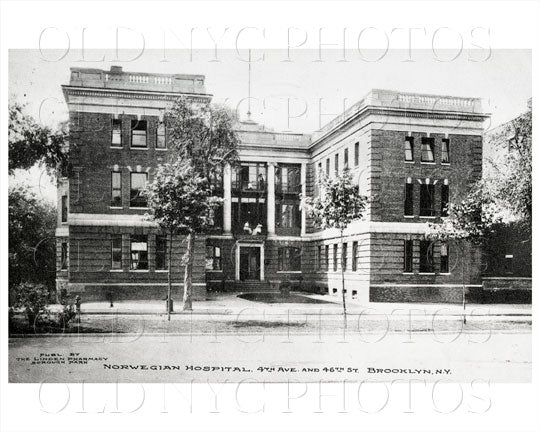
{"x":255,"y":286}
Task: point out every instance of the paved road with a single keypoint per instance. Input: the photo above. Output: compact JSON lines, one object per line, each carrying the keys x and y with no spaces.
{"x":461,"y":356}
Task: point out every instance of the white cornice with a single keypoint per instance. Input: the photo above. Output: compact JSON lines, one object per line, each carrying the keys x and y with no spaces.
{"x":99,"y":219}
{"x":356,"y":228}
{"x":397,"y":116}
{"x":127,"y":93}
{"x":368,"y":227}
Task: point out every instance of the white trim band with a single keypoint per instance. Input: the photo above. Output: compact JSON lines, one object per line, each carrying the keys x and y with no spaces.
{"x":424,"y":285}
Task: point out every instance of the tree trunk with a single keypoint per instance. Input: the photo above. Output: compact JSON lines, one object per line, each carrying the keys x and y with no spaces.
{"x":463,"y":283}
{"x":343,"y":292}
{"x":188,"y":274}
{"x":169,"y":282}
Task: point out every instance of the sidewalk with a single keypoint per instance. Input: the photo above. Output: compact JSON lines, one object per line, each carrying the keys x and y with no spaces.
{"x":231,"y":304}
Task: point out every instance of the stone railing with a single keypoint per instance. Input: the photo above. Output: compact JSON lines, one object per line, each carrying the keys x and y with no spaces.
{"x":436,"y":100}
{"x":274,"y":138}
{"x":339,"y":119}
{"x":116,"y":78}
{"x":388,"y":99}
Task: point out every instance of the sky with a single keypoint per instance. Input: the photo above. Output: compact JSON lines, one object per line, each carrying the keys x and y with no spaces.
{"x":297,"y":91}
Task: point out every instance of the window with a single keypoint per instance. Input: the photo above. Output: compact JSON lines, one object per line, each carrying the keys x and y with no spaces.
{"x":64,"y":256}
{"x":327,"y":257}
{"x":444,"y":258}
{"x":116,"y":252}
{"x":319,"y":257}
{"x":336,"y":164}
{"x":427,"y":150}
{"x":116,"y":189}
{"x":344,"y":256}
{"x":116,"y":135}
{"x":335,"y":256}
{"x":139,"y":252}
{"x":288,"y":179}
{"x":445,"y":151}
{"x":161,"y":253}
{"x":161,"y":136}
{"x":356,"y":153}
{"x":427,"y":199}
{"x":327,"y":167}
{"x":138,"y":184}
{"x":213,"y":258}
{"x":445,"y":194}
{"x":216,"y":216}
{"x":409,"y":149}
{"x":248,"y":213}
{"x":407,"y":256}
{"x":138,"y":133}
{"x":346,"y":159}
{"x":288,"y":215}
{"x":64,"y":208}
{"x":289,"y":259}
{"x":318,"y":178}
{"x":426,"y":256}
{"x":355,"y":256}
{"x":250,"y":177}
{"x":409,"y":199}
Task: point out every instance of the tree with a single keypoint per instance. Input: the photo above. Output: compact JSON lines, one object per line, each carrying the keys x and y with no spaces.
{"x":503,"y":196}
{"x":203,"y":135}
{"x":181,"y":202}
{"x":471,"y":221}
{"x":30,"y":143}
{"x":510,"y":183}
{"x":202,"y":140}
{"x":32,"y":252}
{"x":34,"y":299}
{"x":339,"y":203}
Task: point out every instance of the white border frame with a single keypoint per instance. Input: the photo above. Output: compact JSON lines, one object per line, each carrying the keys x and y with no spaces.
{"x":237,"y":258}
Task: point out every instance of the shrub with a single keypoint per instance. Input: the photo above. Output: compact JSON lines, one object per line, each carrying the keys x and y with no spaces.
{"x":66,"y":315}
{"x":285,"y":288}
{"x":33,"y":298}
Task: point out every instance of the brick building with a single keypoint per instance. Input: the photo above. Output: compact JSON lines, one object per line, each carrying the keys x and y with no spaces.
{"x":411,"y":153}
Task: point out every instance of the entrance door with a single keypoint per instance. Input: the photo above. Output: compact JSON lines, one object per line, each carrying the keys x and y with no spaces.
{"x":250,"y":263}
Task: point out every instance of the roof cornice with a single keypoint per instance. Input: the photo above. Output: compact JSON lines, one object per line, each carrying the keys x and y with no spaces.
{"x":131,"y":94}
{"x":398,"y":112}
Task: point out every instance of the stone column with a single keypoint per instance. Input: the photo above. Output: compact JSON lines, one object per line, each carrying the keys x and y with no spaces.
{"x":303,"y":181}
{"x":227,"y":201}
{"x":271,"y":199}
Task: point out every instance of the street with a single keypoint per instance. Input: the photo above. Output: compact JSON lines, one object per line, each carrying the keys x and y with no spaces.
{"x":498,"y":351}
